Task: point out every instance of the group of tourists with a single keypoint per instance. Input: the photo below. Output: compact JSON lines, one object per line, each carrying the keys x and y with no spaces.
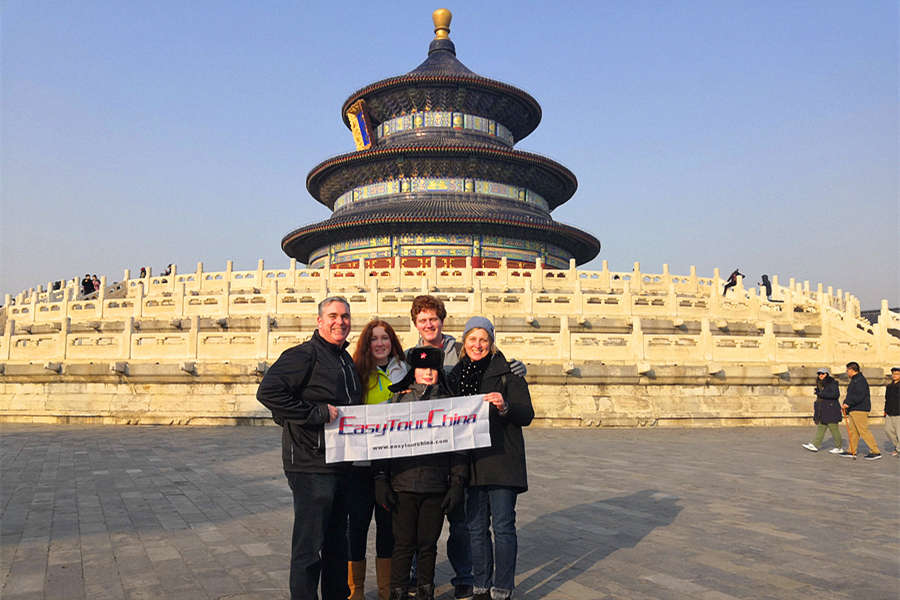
{"x":828,"y":412}
{"x":410,"y":497}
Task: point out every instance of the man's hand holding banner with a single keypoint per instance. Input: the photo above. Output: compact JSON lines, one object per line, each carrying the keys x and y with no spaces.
{"x":378,"y":431}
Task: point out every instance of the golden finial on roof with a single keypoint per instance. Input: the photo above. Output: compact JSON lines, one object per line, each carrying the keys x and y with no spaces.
{"x":441,"y":18}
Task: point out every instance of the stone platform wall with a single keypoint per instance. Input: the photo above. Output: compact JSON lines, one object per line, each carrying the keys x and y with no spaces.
{"x":602,"y":348}
{"x":601,"y":396}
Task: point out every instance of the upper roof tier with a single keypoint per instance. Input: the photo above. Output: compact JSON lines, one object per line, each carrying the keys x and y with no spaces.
{"x":443,"y":83}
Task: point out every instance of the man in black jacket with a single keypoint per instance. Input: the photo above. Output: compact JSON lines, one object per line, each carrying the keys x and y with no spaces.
{"x":304,"y":389}
{"x":892,"y":410}
{"x":857,"y":405}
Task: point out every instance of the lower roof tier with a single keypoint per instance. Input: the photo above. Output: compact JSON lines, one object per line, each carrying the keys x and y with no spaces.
{"x":440,"y":217}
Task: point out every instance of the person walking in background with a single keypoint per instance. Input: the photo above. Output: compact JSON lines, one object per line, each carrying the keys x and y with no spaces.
{"x":892,"y":410}
{"x":143,"y":272}
{"x":420,"y":490}
{"x":767,"y":285}
{"x":857,"y":404}
{"x":87,"y":285}
{"x":826,"y":412}
{"x":732,"y":280}
{"x":498,"y":473}
{"x":379,"y":361}
{"x":95,"y":282}
{"x":304,"y":389}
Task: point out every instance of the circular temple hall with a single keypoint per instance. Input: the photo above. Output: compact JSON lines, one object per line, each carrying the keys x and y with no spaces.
{"x":435,"y":176}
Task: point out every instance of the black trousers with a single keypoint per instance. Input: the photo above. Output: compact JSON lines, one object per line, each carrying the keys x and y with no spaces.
{"x":319,"y":539}
{"x":417,"y":523}
{"x":361,"y":491}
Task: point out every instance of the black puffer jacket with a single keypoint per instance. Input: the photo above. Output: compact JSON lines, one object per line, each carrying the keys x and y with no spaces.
{"x":827,"y":409}
{"x":857,"y":398}
{"x":297,"y":389}
{"x":892,"y":399}
{"x":504,"y":462}
{"x":425,"y":473}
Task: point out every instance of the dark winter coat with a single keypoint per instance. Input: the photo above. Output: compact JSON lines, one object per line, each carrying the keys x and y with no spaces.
{"x":857,"y":398}
{"x":827,"y":408}
{"x":426,"y":473}
{"x":503,"y":463}
{"x":297,"y":389}
{"x":892,"y":399}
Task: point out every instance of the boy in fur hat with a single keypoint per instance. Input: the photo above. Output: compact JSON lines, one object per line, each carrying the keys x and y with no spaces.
{"x":419,"y":490}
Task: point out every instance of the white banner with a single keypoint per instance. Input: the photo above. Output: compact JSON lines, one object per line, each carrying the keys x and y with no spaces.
{"x":376,"y":431}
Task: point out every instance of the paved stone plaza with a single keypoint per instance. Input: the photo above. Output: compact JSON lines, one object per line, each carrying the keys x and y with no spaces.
{"x":156,"y":512}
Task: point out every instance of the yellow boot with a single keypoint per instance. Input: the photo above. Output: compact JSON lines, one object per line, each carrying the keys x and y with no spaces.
{"x":383,"y":576}
{"x":356,"y":579}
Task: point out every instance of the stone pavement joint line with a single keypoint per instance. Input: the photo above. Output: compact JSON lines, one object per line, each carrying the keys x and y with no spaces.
{"x":118,"y":512}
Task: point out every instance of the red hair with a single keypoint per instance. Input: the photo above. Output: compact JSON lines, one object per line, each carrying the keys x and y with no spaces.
{"x":362,"y":356}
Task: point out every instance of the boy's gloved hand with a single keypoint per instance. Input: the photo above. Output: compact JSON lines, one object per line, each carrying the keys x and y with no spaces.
{"x":384,"y":495}
{"x":453,"y":498}
{"x":517,"y":367}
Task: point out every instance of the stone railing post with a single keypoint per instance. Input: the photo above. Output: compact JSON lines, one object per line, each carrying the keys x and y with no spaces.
{"x":539,"y":273}
{"x":666,"y":276}
{"x":262,"y":337}
{"x":272,"y":297}
{"x":692,"y":278}
{"x":229,"y":268}
{"x":7,"y":338}
{"x":637,"y":338}
{"x":292,"y":270}
{"x":198,"y":277}
{"x":573,"y":269}
{"x":706,"y":342}
{"x":503,"y":273}
{"x":226,"y":299}
{"x":604,"y":275}
{"x":65,"y":325}
{"x":715,"y":299}
{"x":138,"y":309}
{"x":564,"y":339}
{"x":179,"y":300}
{"x":477,"y":299}
{"x":125,"y":339}
{"x":469,"y":277}
{"x":101,"y":297}
{"x":433,"y":274}
{"x":627,"y":301}
{"x":194,"y":337}
{"x":770,"y":343}
{"x":637,"y":279}
{"x":260,"y":275}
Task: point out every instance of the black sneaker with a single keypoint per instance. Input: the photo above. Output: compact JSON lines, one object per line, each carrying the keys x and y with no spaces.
{"x":463,"y":592}
{"x":872,"y":456}
{"x":847,"y":454}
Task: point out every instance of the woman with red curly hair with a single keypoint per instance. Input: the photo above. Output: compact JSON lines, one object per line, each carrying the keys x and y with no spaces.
{"x":379,"y":360}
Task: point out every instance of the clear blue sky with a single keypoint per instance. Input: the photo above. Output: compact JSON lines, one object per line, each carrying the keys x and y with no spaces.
{"x":755,"y":134}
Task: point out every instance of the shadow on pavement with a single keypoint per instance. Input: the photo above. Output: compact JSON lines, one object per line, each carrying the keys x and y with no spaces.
{"x":561,"y":545}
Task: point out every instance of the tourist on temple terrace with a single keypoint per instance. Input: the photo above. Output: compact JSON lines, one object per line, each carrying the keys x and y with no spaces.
{"x":826,"y":412}
{"x":304,"y":389}
{"x":857,"y":404}
{"x":892,"y":410}
{"x":498,"y":473}
{"x":419,"y":490}
{"x":380,"y":362}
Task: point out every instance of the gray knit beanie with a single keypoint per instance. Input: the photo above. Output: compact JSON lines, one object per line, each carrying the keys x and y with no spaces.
{"x":479,"y":323}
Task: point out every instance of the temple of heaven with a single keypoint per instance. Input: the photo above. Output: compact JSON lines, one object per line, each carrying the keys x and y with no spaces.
{"x":435,"y":176}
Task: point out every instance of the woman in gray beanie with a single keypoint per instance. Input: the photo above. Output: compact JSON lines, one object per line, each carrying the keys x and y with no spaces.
{"x":497,"y":473}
